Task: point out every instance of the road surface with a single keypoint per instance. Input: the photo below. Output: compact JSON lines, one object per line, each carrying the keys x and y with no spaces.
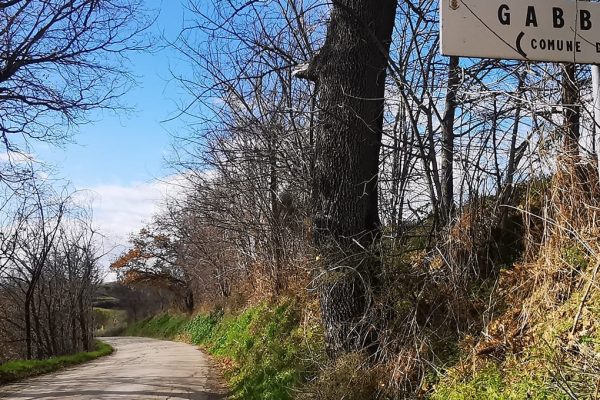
{"x":140,"y":368}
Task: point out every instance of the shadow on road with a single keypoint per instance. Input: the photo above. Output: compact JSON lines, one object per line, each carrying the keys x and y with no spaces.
{"x":140,"y":369}
{"x":108,"y":395}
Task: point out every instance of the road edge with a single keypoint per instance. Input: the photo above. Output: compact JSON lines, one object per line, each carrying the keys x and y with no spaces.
{"x":18,"y":370}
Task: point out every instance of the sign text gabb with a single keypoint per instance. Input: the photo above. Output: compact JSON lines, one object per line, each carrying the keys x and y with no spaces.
{"x":537,"y":30}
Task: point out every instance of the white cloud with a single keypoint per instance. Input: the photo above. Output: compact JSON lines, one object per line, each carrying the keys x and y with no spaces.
{"x":120,"y":210}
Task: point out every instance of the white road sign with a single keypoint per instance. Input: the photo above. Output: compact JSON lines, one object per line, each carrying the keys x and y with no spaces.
{"x":536,"y":30}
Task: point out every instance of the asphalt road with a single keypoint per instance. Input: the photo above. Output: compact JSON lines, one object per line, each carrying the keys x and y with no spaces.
{"x":139,"y":369}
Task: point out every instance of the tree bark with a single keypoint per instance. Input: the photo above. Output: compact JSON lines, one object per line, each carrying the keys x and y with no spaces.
{"x":188,"y":300}
{"x":350,"y":71}
{"x":447,"y":195}
{"x":571,"y":112}
{"x":28,"y":336}
{"x":275,"y":214}
{"x":514,"y":157}
{"x":86,"y":341}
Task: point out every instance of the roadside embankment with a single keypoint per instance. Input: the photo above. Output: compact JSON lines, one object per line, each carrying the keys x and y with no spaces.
{"x":267,"y":351}
{"x":20,"y":369}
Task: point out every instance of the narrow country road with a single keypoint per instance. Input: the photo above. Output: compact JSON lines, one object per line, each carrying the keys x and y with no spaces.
{"x":139,"y":369}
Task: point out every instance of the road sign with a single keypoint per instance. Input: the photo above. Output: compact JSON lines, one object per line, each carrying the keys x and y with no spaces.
{"x":536,"y":30}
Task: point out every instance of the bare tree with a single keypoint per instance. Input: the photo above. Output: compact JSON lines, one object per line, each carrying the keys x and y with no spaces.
{"x":249,"y":158}
{"x":60,"y":59}
{"x":50,"y":270}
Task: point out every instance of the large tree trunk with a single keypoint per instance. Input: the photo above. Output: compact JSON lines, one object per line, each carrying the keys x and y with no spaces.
{"x":350,"y":71}
{"x":577,"y":177}
{"x":570,"y":101}
{"x":447,"y":195}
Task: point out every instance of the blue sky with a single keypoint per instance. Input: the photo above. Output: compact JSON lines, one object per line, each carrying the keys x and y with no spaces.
{"x":126,"y":147}
{"x":118,"y":157}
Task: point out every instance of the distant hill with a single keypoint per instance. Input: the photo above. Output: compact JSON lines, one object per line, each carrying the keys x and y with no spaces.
{"x":110,"y":295}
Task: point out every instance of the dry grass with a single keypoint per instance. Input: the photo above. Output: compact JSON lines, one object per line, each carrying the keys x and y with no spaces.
{"x":549,"y":330}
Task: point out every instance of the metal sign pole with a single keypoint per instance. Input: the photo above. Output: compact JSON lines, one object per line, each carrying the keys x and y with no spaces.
{"x":596,"y":102}
{"x":596,"y":95}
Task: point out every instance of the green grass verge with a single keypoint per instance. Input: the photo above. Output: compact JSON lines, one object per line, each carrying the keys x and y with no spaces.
{"x":492,"y":383}
{"x":163,"y":326}
{"x":266,"y":351}
{"x":19,"y":369}
{"x":109,"y":322}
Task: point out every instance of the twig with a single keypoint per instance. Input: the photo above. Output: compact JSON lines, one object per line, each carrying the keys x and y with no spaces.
{"x":585,"y":296}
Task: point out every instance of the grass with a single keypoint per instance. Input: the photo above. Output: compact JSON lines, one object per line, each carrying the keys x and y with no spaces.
{"x":164,"y":326}
{"x":109,"y":322}
{"x":265,"y":350}
{"x":492,"y":381}
{"x":552,"y":357}
{"x":20,"y":369}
